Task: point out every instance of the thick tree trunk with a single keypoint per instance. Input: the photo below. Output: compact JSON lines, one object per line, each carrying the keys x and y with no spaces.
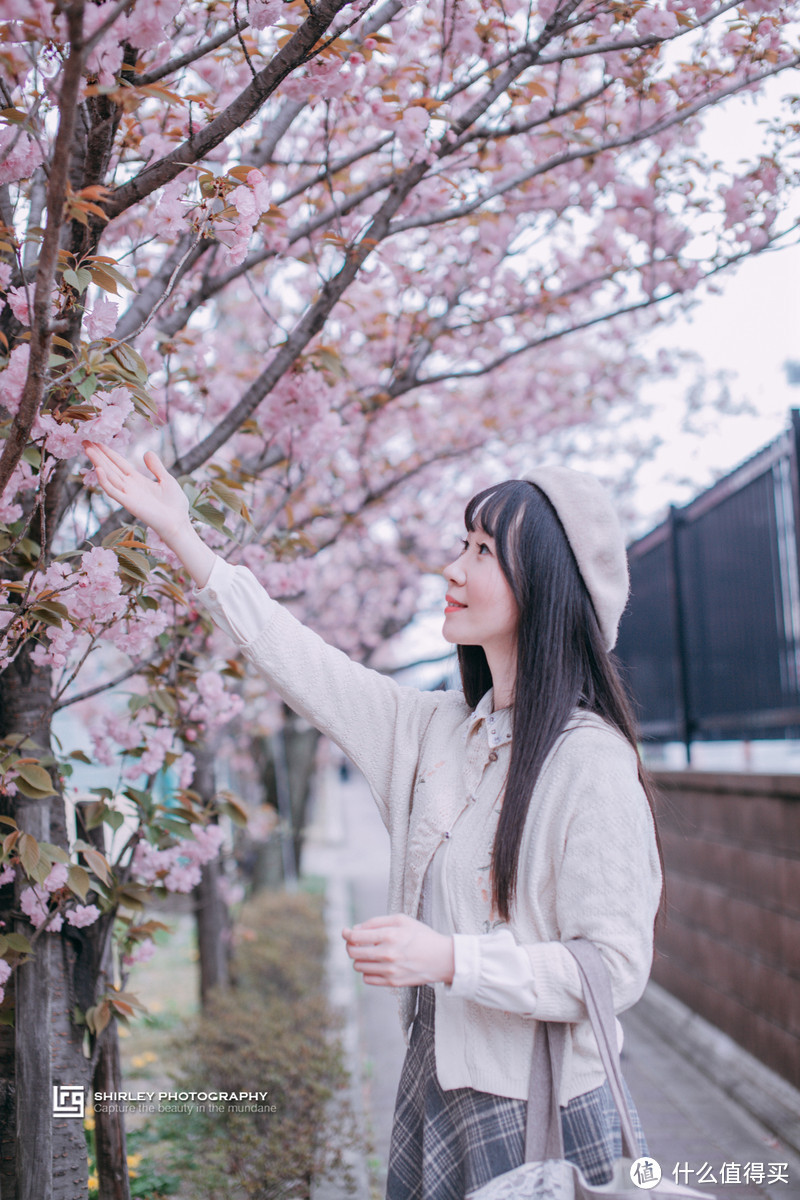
{"x":286,"y":765}
{"x":301,"y":741}
{"x":213,"y":926}
{"x":109,"y":1129}
{"x":33,"y":1068}
{"x":49,"y":1152}
{"x":211,"y":912}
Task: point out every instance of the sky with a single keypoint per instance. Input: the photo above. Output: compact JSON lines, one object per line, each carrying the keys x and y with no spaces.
{"x":749,"y":330}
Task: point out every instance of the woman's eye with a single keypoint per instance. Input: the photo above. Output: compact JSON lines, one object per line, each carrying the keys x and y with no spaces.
{"x":482,"y":546}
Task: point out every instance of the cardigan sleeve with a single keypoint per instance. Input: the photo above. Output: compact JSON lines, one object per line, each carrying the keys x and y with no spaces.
{"x":605,"y":887}
{"x":378,"y":723}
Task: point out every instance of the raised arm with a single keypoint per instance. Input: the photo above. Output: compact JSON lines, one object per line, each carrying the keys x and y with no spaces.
{"x":158,"y":502}
{"x":377,"y":722}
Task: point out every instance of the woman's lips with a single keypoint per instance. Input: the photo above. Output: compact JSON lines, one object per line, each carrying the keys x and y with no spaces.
{"x":452,"y":605}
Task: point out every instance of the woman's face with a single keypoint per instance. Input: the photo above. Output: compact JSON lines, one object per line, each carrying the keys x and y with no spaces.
{"x":480,"y":606}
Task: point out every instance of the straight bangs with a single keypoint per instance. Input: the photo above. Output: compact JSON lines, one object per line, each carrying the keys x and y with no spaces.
{"x":499,"y":511}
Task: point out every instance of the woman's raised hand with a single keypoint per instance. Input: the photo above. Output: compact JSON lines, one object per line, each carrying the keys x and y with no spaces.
{"x":158,"y":502}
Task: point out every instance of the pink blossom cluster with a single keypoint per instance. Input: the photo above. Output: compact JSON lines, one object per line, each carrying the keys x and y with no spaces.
{"x":98,"y":608}
{"x":35,"y":903}
{"x":65,"y":438}
{"x":109,"y":729}
{"x":12,"y":378}
{"x":178,"y":867}
{"x":93,"y":595}
{"x":20,"y":155}
{"x":212,"y":703}
{"x":252,"y":202}
{"x":149,"y":23}
{"x":5,"y":972}
{"x":141,"y":953}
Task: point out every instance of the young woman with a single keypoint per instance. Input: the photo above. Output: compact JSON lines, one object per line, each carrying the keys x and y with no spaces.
{"x":517,"y":810}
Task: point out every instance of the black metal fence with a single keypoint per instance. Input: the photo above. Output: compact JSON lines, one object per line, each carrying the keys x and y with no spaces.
{"x":711,"y":638}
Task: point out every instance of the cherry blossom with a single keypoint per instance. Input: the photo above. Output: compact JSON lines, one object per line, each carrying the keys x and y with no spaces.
{"x":339,"y":282}
{"x":82,"y":915}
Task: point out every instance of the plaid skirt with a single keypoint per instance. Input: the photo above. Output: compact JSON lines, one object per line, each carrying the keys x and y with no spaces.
{"x":446,"y":1144}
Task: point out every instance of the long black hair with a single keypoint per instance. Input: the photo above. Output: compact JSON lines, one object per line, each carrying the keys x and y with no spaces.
{"x":562,"y":661}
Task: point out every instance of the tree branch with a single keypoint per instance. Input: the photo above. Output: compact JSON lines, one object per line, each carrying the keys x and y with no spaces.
{"x":41,"y":332}
{"x":567,"y":156}
{"x":215,"y":284}
{"x":642,"y":43}
{"x":121,"y":7}
{"x":296,"y":51}
{"x":186,"y":60}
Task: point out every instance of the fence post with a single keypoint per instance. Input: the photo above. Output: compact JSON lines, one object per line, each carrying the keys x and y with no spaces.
{"x":680,"y":656}
{"x":794,"y":462}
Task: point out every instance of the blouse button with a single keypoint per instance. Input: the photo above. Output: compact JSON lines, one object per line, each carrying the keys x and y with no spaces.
{"x":447,"y":833}
{"x":493,"y":756}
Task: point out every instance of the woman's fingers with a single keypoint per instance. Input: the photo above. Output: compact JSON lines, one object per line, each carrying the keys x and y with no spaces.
{"x":99,"y":453}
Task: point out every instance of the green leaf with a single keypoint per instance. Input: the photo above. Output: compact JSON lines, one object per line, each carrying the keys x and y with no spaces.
{"x":232,"y":807}
{"x":79,"y":280}
{"x":87,"y":387}
{"x":28,"y":852}
{"x":228,"y":496}
{"x":14,"y":116}
{"x":116,"y":274}
{"x":133,"y":564}
{"x":98,"y":863}
{"x":54,"y":852}
{"x":18,"y":943}
{"x":179,"y":828}
{"x":140,"y":798}
{"x":81,"y":756}
{"x":93,"y":814}
{"x":131,"y":895}
{"x":130,"y":361}
{"x":42,"y":869}
{"x":8,"y":821}
{"x":33,"y":781}
{"x":209,"y":515}
{"x":79,"y":881}
{"x":165,"y":702}
{"x":103,"y":280}
{"x":50,"y":612}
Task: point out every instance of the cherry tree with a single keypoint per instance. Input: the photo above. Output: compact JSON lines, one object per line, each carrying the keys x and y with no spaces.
{"x":338,"y":261}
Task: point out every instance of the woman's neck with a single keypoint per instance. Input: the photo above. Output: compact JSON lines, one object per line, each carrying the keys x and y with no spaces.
{"x":502,"y":662}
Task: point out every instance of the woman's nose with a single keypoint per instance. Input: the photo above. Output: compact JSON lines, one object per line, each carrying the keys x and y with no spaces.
{"x":454,"y":572}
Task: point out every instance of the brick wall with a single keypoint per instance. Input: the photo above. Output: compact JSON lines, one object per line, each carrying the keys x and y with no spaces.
{"x":730,"y":947}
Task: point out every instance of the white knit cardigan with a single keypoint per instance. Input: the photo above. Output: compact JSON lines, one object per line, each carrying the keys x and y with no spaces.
{"x":588,"y":863}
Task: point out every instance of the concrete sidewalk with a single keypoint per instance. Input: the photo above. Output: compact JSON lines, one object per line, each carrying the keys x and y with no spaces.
{"x":672,"y":1060}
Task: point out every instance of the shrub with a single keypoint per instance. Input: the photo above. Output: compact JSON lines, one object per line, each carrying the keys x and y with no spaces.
{"x":273,"y":1032}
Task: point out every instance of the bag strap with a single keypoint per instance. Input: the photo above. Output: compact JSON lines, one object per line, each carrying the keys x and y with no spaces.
{"x":543,"y":1134}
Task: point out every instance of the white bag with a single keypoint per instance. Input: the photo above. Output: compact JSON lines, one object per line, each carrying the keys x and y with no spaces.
{"x":546,"y":1174}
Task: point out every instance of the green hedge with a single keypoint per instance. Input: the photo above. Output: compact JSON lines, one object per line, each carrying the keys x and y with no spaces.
{"x":274,"y":1031}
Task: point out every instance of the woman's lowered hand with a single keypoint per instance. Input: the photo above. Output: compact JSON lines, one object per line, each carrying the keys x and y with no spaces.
{"x":397,"y":951}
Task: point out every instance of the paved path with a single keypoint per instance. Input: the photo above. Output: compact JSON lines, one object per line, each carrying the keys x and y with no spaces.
{"x":690,"y":1122}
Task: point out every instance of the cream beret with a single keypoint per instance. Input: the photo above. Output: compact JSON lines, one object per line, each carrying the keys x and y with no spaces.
{"x":593,"y":530}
